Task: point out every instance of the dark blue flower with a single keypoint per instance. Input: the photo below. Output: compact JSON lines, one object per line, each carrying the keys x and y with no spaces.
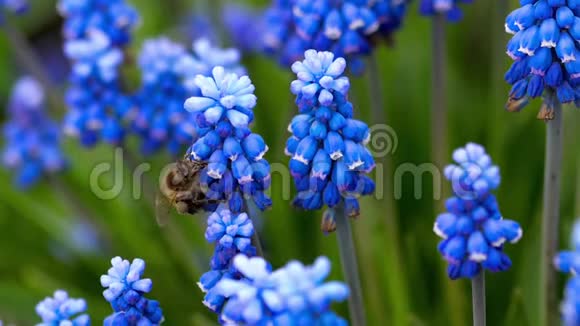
{"x":236,"y":167}
{"x":15,"y":6}
{"x":544,"y":51}
{"x":473,"y":229}
{"x":293,"y":295}
{"x":450,"y":8}
{"x":62,"y":310}
{"x":124,"y":291}
{"x":32,"y":140}
{"x":329,"y":157}
{"x":348,"y":28}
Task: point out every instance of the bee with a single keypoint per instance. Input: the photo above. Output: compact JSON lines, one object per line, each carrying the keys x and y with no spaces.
{"x":179,"y":186}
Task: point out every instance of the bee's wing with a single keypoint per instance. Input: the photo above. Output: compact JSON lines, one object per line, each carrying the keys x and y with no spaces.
{"x":162,"y":209}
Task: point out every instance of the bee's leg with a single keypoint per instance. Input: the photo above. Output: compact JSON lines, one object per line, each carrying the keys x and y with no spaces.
{"x":184,"y":196}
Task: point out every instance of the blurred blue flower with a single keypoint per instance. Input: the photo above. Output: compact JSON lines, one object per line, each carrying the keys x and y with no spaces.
{"x":544,"y":51}
{"x":448,"y":7}
{"x":15,"y":6}
{"x":231,"y":234}
{"x":348,"y":28}
{"x":124,"y":291}
{"x":569,"y":262}
{"x":160,"y":120}
{"x":204,"y":59}
{"x":168,"y":79}
{"x":115,"y":18}
{"x":329,"y":159}
{"x":32,"y":140}
{"x":62,"y":310}
{"x":293,"y":295}
{"x":236,"y":167}
{"x":570,"y":307}
{"x":95,"y":33}
{"x":243,"y":24}
{"x":473,"y":229}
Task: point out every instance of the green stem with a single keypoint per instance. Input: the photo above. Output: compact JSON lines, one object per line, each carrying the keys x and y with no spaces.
{"x":349,"y":266}
{"x":478,"y":299}
{"x":397,"y":285}
{"x":28,"y":58}
{"x":439,"y":92}
{"x":376,"y":90}
{"x":551,"y":216}
{"x":254,"y":213}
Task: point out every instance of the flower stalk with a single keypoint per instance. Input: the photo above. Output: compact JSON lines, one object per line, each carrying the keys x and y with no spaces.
{"x":349,"y":263}
{"x":439,"y":92}
{"x":551,"y":214}
{"x":478,"y":299}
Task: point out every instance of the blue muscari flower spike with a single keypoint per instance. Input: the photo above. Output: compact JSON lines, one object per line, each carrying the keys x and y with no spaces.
{"x":236,"y":167}
{"x":167,"y":67}
{"x":473,"y":229}
{"x":474,"y":173}
{"x":242,"y":24}
{"x":569,"y":262}
{"x":293,"y":295}
{"x":450,"y":8}
{"x":14,"y":6}
{"x":231,"y":233}
{"x":124,"y":291}
{"x":115,"y":18}
{"x":95,"y":33}
{"x":545,"y":55}
{"x":348,"y":28}
{"x":160,"y":119}
{"x":32,"y":140}
{"x":62,"y":310}
{"x":329,"y":157}
{"x":205,"y":58}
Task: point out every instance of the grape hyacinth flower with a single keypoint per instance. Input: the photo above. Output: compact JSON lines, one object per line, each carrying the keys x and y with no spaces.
{"x":204,"y":59}
{"x":124,"y":291}
{"x":231,"y":234}
{"x":62,"y":310}
{"x":32,"y":140}
{"x":236,"y":167}
{"x":348,"y":28}
{"x":96,"y":33}
{"x":293,"y":295}
{"x":450,"y":8}
{"x":473,"y":230}
{"x":329,"y":159}
{"x":14,"y":6}
{"x":160,"y":111}
{"x":115,"y":18}
{"x":242,"y":24}
{"x":167,"y":67}
{"x":543,"y":48}
{"x":569,"y":261}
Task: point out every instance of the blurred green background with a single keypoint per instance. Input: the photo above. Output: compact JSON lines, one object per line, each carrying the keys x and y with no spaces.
{"x":48,"y":242}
